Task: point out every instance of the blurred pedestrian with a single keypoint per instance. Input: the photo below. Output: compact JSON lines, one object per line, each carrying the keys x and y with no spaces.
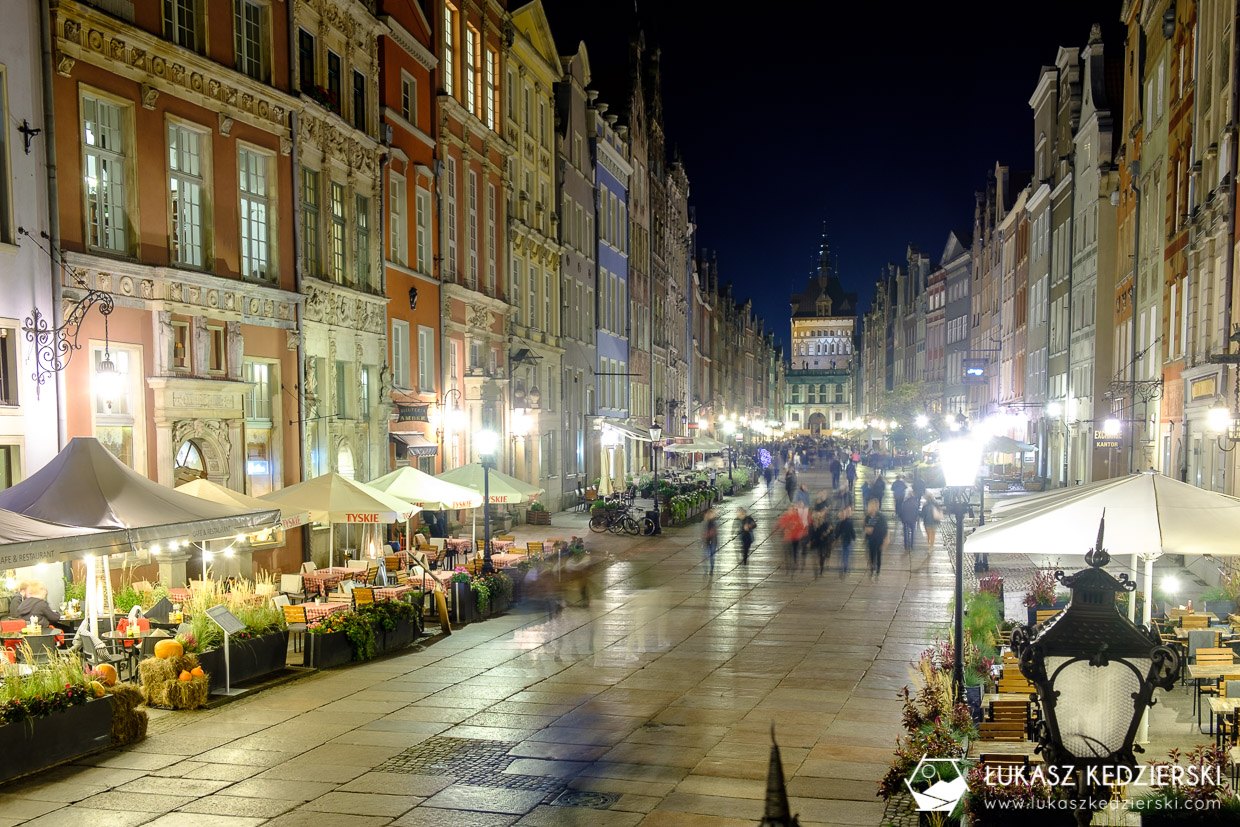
{"x":845,"y":535}
{"x":802,"y":496}
{"x":931,"y":516}
{"x":794,"y":525}
{"x":748,"y":526}
{"x":876,"y":536}
{"x":836,"y":468}
{"x":909,"y":512}
{"x":790,"y":483}
{"x":710,"y":538}
{"x":878,"y":488}
{"x":898,"y":488}
{"x":851,"y":473}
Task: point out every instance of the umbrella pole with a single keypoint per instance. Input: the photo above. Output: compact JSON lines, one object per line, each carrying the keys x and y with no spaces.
{"x":92,"y":600}
{"x":1132,"y":604}
{"x":331,"y":543}
{"x":1143,"y":731}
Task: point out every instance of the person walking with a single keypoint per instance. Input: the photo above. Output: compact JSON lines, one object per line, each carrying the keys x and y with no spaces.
{"x":793,"y":524}
{"x":909,"y":512}
{"x":748,"y":526}
{"x":931,"y":516}
{"x":820,"y":534}
{"x":802,"y":496}
{"x":845,"y":535}
{"x":851,"y":473}
{"x":790,"y":482}
{"x":898,"y":489}
{"x":878,"y":488}
{"x":710,"y":538}
{"x":875,"y":536}
{"x":768,"y":474}
{"x":836,"y":468}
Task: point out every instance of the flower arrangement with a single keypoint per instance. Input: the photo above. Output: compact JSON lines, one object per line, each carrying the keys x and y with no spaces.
{"x":1193,"y":794}
{"x":1042,"y":588}
{"x":537,"y":506}
{"x":459,"y":575}
{"x":322,"y":96}
{"x":52,"y":687}
{"x":991,"y":584}
{"x":486,"y":586}
{"x":356,"y":627}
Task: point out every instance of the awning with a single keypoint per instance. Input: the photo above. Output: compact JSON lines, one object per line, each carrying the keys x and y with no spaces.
{"x":415,"y":443}
{"x":630,"y":431}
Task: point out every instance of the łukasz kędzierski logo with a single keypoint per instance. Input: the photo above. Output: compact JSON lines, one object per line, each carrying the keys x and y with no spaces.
{"x":937,"y":784}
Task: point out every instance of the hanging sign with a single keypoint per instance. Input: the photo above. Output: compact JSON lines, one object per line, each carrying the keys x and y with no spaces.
{"x":412,"y":413}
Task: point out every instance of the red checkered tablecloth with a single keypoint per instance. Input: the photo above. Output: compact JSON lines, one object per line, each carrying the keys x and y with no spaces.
{"x":178,"y":595}
{"x":392,"y":592}
{"x":465,"y":544}
{"x":318,"y":611}
{"x":321,"y":581}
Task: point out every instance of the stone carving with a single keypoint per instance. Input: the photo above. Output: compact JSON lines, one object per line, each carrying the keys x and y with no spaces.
{"x":286,"y":145}
{"x":147,"y":289}
{"x":283,"y":312}
{"x":316,"y":305}
{"x":149,"y":95}
{"x":385,"y":384}
{"x":357,"y":352}
{"x":311,"y":394}
{"x":201,"y":342}
{"x":235,"y":344}
{"x":292,"y":338}
{"x":226,"y":125}
{"x":126,"y":285}
{"x":479,"y":316}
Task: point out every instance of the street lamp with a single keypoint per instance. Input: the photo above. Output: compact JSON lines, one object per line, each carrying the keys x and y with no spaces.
{"x":486,"y":442}
{"x":961,"y":457}
{"x":656,"y":438}
{"x":1095,"y":672}
{"x":729,"y":428}
{"x":1112,"y":426}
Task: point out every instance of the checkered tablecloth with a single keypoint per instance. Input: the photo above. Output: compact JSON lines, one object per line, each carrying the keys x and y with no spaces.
{"x":321,"y":581}
{"x":465,"y":544}
{"x":392,"y":592}
{"x":318,"y":611}
{"x":178,"y":595}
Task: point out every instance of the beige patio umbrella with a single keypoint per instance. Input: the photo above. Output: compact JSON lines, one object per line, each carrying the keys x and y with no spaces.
{"x":216,"y":493}
{"x":428,"y":492}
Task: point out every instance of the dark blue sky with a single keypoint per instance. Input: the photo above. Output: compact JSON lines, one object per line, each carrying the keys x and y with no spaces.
{"x":879,"y":118}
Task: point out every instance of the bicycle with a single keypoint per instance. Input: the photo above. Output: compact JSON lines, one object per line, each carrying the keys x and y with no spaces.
{"x":616,"y":521}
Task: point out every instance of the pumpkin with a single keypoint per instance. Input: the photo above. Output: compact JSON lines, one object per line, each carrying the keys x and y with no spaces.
{"x":185,"y":675}
{"x":169,"y":649}
{"x":197,"y":672}
{"x":107,"y":674}
{"x":97,"y":689}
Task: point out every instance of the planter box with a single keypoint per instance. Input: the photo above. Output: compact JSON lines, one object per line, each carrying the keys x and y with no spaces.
{"x":249,"y":659}
{"x":1222,"y":608}
{"x":464,"y":607}
{"x":498,"y":605}
{"x":328,"y":650}
{"x":39,"y":743}
{"x":1030,"y":485}
{"x":538,"y":517}
{"x":398,"y":638}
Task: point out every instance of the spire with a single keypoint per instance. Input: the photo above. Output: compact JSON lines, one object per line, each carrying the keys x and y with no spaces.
{"x":824,"y":268}
{"x":777,"y":812}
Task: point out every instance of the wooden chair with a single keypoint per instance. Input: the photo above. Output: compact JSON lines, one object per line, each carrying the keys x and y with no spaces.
{"x":1001,"y":731}
{"x":533,"y":548}
{"x":1044,"y":615}
{"x":371,"y":575}
{"x":507,"y":538}
{"x":295,"y":619}
{"x":363,"y":596}
{"x":1002,"y":759}
{"x":1195,"y":621}
{"x":308,"y":566}
{"x":357,"y":564}
{"x":391,"y":562}
{"x":293,"y":586}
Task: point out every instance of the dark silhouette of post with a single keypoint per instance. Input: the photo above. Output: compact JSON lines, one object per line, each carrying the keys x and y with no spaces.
{"x":777,"y":812}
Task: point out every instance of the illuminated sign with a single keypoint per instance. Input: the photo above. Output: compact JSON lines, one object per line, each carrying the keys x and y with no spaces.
{"x":974,"y":371}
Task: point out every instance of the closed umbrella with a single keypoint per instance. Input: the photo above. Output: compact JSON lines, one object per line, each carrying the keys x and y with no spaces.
{"x":332,"y":498}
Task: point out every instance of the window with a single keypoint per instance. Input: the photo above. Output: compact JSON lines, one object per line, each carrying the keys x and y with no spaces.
{"x":533,"y":305}
{"x":185,"y":185}
{"x":400,"y":353}
{"x":337,"y":233}
{"x":471,"y":57}
{"x":622,"y":227}
{"x":492,"y":241}
{"x":361,"y":224}
{"x":451,"y":205}
{"x":489,"y":88}
{"x":258,"y":399}
{"x":408,"y":99}
{"x":104,"y":143}
{"x":424,"y":230}
{"x":305,"y":59}
{"x":179,"y":359}
{"x":181,"y":23}
{"x":256,"y":213}
{"x":217,"y":348}
{"x":114,"y":403}
{"x":359,"y":100}
{"x":333,"y":78}
{"x":342,"y":392}
{"x":516,"y":291}
{"x":449,"y":68}
{"x":310,"y":221}
{"x":396,"y":216}
{"x":548,"y":318}
{"x":472,"y":201}
{"x":9,"y":358}
{"x":250,"y":39}
{"x":363,"y":380}
{"x":426,"y":359}
{"x":6,"y":192}
{"x":528,"y":123}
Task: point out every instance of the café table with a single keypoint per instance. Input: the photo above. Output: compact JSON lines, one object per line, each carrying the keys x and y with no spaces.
{"x":392,"y":592}
{"x":1027,"y":748}
{"x":1218,"y":708}
{"x":318,"y":611}
{"x":132,"y":652}
{"x":1216,"y":671}
{"x":323,"y":581}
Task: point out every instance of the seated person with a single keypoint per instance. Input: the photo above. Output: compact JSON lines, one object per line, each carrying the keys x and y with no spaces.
{"x":35,"y":604}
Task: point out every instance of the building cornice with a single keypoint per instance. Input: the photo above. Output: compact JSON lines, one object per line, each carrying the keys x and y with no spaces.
{"x":614,"y":162}
{"x":452,"y":107}
{"x":338,"y":141}
{"x":424,"y":56}
{"x":397,"y":119}
{"x":186,"y":292}
{"x":337,"y":306}
{"x":474,"y":299}
{"x":84,"y":34}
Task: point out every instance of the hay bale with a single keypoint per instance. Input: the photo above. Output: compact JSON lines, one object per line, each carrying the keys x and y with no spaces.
{"x":162,"y":687}
{"x":128,"y":721}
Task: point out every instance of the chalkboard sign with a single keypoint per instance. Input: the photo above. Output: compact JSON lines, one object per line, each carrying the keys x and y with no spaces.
{"x":225,"y":620}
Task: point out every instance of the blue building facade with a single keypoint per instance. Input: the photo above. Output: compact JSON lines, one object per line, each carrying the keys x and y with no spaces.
{"x":613,"y":172}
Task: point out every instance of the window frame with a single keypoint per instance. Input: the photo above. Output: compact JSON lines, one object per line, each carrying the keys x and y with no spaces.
{"x":311,"y":215}
{"x":203,"y":183}
{"x":426,"y":359}
{"x":338,"y":231}
{"x":267,"y":200}
{"x":124,"y":160}
{"x":449,"y":49}
{"x":398,"y":205}
{"x":400,"y":354}
{"x":361,"y":240}
{"x":409,"y":98}
{"x":303,"y":37}
{"x":360,"y":121}
{"x":196,"y":21}
{"x":422,"y":221}
{"x":242,"y":60}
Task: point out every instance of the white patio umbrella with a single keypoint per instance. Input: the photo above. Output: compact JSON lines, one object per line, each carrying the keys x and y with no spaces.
{"x":503,"y":489}
{"x":214,"y":492}
{"x":425,"y":491}
{"x":332,"y":498}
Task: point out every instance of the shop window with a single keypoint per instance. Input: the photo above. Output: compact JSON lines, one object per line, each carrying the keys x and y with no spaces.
{"x":217,"y":359}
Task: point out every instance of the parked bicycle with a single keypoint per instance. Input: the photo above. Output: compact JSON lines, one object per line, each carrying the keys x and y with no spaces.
{"x":616,"y":521}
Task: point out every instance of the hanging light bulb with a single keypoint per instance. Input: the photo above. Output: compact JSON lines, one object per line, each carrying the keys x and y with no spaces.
{"x":108,"y":379}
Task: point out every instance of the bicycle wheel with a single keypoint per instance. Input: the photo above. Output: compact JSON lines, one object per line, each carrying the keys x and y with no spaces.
{"x":598,"y":522}
{"x":616,"y":526}
{"x":647,"y":526}
{"x":631,"y":526}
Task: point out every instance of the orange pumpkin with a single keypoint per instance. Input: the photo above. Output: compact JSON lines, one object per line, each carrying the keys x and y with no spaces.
{"x":97,"y":689}
{"x":107,"y":674}
{"x":185,"y":675}
{"x":197,"y":672}
{"x":169,"y":649}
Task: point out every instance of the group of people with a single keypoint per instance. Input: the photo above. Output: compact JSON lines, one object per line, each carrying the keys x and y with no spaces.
{"x":34,"y":605}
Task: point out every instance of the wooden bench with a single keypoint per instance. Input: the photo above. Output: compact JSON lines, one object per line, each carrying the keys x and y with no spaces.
{"x":1001,"y":730}
{"x":1195,"y":622}
{"x":1044,"y":615}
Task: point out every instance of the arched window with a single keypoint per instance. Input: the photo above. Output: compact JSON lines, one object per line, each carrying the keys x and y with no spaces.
{"x":344,"y":461}
{"x":190,"y":464}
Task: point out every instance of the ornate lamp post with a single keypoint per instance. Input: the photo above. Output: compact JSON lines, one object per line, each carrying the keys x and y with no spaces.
{"x":656,"y":442}
{"x":486,"y":442}
{"x":1095,"y":672}
{"x":961,"y":459}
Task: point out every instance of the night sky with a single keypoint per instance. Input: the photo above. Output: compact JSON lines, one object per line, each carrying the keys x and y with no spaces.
{"x":879,"y":118}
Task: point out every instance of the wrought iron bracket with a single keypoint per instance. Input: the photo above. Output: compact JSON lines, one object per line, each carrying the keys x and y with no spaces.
{"x":55,"y":346}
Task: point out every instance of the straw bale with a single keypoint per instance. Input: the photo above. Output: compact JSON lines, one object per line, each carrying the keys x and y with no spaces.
{"x":162,"y":686}
{"x":128,"y":721}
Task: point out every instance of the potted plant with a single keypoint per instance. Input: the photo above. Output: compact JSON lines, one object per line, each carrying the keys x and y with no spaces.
{"x":997,"y":799}
{"x":464,"y":605}
{"x":262,"y":648}
{"x":1043,"y":594}
{"x":1221,"y":599}
{"x":538,"y":514}
{"x":1195,"y":795}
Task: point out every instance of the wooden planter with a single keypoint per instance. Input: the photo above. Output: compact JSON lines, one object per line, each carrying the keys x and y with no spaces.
{"x":325,"y":651}
{"x":39,"y":743}
{"x":533,"y":517}
{"x":1033,"y":610}
{"x":249,"y":659}
{"x":497,"y":606}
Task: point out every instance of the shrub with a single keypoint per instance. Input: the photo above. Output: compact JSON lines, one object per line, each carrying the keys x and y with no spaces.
{"x":1042,"y":588}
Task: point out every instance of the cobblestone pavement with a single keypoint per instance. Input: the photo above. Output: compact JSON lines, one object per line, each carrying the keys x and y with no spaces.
{"x":652,"y":705}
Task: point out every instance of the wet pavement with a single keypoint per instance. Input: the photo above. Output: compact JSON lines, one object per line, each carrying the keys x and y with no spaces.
{"x":652,"y":705}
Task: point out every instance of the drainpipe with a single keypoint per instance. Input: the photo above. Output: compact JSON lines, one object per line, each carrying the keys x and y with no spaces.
{"x":1134,"y":168}
{"x":1192,"y":198}
{"x":1230,"y":246}
{"x":53,"y":205}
